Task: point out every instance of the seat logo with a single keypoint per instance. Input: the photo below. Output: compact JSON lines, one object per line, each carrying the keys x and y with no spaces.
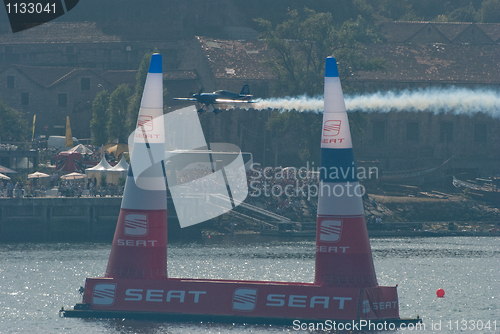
{"x":104,"y":294}
{"x":145,"y":122}
{"x":136,"y":224}
{"x":244,"y":299}
{"x":330,"y":230}
{"x":366,"y":306}
{"x":331,"y":128}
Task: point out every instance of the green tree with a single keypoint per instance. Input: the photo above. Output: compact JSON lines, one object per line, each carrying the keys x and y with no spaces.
{"x":396,"y":10}
{"x":490,"y":11}
{"x":118,"y":106}
{"x":464,"y":14}
{"x":302,"y":130}
{"x":302,"y":42}
{"x":99,"y":122}
{"x":12,"y":125}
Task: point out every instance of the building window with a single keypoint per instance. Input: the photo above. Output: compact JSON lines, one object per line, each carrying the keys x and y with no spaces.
{"x":25,"y":99}
{"x":9,"y":49}
{"x":85,"y":83}
{"x":62,"y":99}
{"x":70,"y":49}
{"x":10,"y":81}
{"x":480,"y":133}
{"x":412,"y":131}
{"x":446,"y":133}
{"x":378,"y":131}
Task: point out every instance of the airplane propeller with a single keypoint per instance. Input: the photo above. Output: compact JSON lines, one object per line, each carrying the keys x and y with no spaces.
{"x":198,"y":107}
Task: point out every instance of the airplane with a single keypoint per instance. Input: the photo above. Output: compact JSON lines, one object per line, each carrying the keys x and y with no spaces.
{"x":208,"y":101}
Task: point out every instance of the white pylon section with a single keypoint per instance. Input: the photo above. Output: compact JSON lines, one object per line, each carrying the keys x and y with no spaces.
{"x":149,"y":136}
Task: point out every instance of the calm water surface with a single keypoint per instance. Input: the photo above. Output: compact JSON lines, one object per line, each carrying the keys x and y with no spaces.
{"x":36,"y":280}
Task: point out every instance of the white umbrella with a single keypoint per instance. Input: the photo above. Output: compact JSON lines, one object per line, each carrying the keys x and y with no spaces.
{"x":37,"y":175}
{"x":73,"y":176}
{"x":5,"y":177}
{"x":6,"y":170}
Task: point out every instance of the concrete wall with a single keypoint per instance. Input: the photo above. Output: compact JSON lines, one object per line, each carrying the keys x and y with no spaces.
{"x":55,"y":219}
{"x":397,"y":150}
{"x":70,"y":219}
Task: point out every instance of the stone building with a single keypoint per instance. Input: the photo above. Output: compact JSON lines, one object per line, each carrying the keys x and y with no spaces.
{"x":52,"y":93}
{"x":89,"y":45}
{"x":424,"y":55}
{"x":56,"y":69}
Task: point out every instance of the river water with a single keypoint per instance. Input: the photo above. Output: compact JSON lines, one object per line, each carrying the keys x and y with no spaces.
{"x":36,"y":280}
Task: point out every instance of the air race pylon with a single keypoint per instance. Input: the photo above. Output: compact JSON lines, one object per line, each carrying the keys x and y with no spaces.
{"x":343,"y":253}
{"x":139,"y":249}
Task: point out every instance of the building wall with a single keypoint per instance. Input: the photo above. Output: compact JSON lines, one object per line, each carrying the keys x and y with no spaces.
{"x":410,"y":141}
{"x":44,"y":101}
{"x":471,"y":141}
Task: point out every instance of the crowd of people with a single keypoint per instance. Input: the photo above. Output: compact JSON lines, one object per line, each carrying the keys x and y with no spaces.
{"x":282,"y":190}
{"x":64,"y":188}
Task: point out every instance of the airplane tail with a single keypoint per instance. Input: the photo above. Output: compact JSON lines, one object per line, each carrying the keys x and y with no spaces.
{"x":245,"y":90}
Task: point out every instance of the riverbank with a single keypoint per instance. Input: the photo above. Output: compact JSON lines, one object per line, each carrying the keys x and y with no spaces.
{"x":94,"y":218}
{"x":410,"y":212}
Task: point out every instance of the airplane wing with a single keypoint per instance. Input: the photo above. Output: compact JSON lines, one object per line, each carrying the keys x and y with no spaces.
{"x":185,"y":99}
{"x":233,"y":101}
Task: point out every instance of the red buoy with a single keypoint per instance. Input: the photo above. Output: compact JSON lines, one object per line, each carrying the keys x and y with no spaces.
{"x":440,"y":293}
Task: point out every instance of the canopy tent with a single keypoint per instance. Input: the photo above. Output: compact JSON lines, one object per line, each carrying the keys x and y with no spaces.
{"x":120,"y":166}
{"x":69,"y":162}
{"x":80,"y":148}
{"x":103,"y":165}
{"x":4,"y":177}
{"x":98,"y":171}
{"x":120,"y":170}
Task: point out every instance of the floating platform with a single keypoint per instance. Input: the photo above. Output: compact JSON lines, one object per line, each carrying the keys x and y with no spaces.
{"x":236,"y":301}
{"x":177,"y":317}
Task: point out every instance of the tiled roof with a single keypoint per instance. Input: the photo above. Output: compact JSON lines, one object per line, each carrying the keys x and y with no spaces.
{"x":237,"y":59}
{"x":491,"y":29}
{"x":44,"y":76}
{"x":58,"y":32}
{"x":179,"y":75}
{"x":402,"y":32}
{"x":51,"y":76}
{"x":451,"y":30}
{"x":445,"y":63}
{"x":118,"y":77}
{"x":450,"y":63}
{"x":399,"y":32}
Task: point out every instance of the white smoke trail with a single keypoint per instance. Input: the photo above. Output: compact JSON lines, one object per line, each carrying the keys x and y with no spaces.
{"x":449,"y":100}
{"x":300,"y":103}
